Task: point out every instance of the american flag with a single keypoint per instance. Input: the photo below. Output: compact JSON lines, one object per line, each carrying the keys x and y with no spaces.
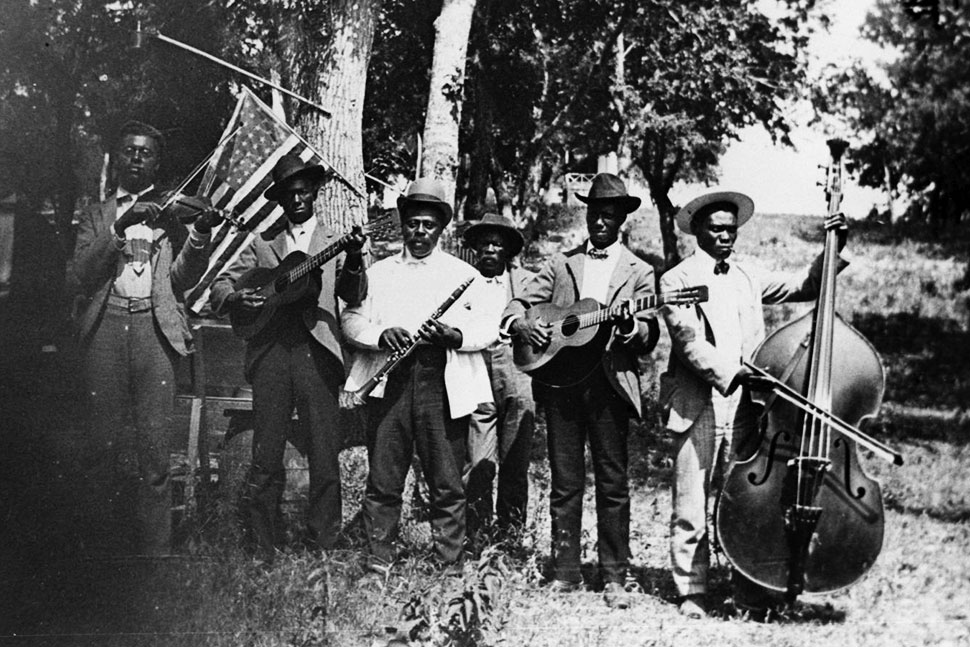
{"x":236,"y":178}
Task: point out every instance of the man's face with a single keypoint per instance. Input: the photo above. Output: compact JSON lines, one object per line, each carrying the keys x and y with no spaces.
{"x":296,"y":198}
{"x":493,"y":253}
{"x":603,"y":222}
{"x":716,"y":233}
{"x":421,"y":227}
{"x":136,"y":162}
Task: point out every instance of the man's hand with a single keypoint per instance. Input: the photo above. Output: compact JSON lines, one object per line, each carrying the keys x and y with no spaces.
{"x":439,"y":334}
{"x":354,"y":246}
{"x":622,"y":317}
{"x":752,"y":380}
{"x":246,"y":299}
{"x":140,"y":212}
{"x":840,"y":223}
{"x":537,"y":333}
{"x":394,"y":339}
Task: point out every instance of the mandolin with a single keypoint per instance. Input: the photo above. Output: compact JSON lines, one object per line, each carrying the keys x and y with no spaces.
{"x":290,"y":280}
{"x":579,"y":334}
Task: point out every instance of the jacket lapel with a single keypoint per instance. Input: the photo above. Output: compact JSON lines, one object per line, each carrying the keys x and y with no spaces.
{"x":278,"y":245}
{"x":621,"y":274}
{"x":574,"y":266}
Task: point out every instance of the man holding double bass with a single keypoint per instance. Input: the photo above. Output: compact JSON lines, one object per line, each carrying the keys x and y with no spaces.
{"x":703,"y":406}
{"x":295,"y":359}
{"x":598,"y":408}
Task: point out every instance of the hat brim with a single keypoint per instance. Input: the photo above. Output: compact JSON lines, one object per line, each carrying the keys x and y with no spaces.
{"x":514,"y":237}
{"x":403,"y":202}
{"x":629,"y":203}
{"x":744,"y":204}
{"x":315,"y":173}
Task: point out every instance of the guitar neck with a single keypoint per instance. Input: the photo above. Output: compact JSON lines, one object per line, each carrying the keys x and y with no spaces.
{"x":318,"y":259}
{"x":602,"y":315}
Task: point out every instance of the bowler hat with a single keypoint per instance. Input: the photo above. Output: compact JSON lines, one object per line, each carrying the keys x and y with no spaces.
{"x":289,"y":167}
{"x":607,"y":187}
{"x":733,"y":201}
{"x":426,"y":191}
{"x":499,"y":223}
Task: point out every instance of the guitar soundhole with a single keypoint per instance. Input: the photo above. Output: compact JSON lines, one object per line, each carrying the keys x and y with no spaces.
{"x":570,"y":325}
{"x":279,"y":285}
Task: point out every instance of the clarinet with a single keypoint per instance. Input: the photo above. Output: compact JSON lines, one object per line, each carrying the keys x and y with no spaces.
{"x":397,"y":357}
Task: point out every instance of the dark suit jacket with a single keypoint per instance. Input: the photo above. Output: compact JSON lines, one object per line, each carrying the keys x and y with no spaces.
{"x":560,"y":282}
{"x":322,"y":320}
{"x":176,"y":268}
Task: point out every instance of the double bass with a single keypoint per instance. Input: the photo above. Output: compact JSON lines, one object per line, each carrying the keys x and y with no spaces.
{"x":800,"y":515}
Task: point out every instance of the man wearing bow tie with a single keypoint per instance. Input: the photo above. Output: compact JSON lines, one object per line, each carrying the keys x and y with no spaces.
{"x":423,"y":404}
{"x":598,"y":409}
{"x":131,"y":267}
{"x":703,"y":407}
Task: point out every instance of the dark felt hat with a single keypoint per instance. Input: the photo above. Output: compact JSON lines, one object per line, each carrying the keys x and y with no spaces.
{"x":290,"y":167}
{"x":733,"y":201}
{"x":499,"y":223}
{"x":607,"y":187}
{"x":427,"y":191}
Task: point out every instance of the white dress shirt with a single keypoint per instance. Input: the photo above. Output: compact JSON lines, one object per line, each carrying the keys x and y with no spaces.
{"x":597,"y":273}
{"x":298,"y":236}
{"x":131,"y":278}
{"x":404,"y":292}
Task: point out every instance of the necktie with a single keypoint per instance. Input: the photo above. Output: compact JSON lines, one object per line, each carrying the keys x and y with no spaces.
{"x":125,"y":199}
{"x":721,"y":267}
{"x":593,"y":252}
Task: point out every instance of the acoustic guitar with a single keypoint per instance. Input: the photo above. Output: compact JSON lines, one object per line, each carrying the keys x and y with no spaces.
{"x":579,"y":334}
{"x":289,"y":281}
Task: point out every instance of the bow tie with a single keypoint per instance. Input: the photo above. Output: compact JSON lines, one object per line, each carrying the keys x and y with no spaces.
{"x":593,"y":252}
{"x":721,"y":267}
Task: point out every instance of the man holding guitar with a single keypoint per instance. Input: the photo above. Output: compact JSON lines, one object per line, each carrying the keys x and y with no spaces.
{"x":598,"y":405}
{"x":293,"y":357}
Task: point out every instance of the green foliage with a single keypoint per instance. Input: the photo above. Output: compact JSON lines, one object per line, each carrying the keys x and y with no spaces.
{"x":913,"y":127}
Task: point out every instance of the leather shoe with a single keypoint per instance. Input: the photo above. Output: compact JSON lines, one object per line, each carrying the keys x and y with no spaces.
{"x":693,"y":607}
{"x":616,"y":596}
{"x":563,"y":586}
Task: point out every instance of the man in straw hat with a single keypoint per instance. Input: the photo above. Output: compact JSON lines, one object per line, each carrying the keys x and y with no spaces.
{"x":295,"y":361}
{"x":703,"y":407}
{"x":500,"y":433}
{"x":131,"y":267}
{"x":424,"y":403}
{"x":597,"y":410}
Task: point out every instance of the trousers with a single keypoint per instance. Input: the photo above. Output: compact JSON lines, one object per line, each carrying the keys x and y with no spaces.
{"x":500,"y":438}
{"x":591,"y":412}
{"x":295,"y":372}
{"x":129,"y":378}
{"x":413,"y":415}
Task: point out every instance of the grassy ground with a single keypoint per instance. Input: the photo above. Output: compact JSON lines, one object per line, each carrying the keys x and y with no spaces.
{"x":898,"y":292}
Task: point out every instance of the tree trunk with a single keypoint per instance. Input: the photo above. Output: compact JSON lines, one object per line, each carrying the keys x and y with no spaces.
{"x":334,"y":76}
{"x":440,"y":156}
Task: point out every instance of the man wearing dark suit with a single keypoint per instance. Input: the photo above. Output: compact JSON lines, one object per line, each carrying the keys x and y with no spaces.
{"x":500,"y":432}
{"x":703,"y":407}
{"x":295,"y":361}
{"x":598,"y":409}
{"x":131,"y":267}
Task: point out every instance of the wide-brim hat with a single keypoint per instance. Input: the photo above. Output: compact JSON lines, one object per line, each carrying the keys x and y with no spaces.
{"x":607,"y":187}
{"x":426,"y":191}
{"x":499,"y":223}
{"x":290,"y":167}
{"x":742,"y":205}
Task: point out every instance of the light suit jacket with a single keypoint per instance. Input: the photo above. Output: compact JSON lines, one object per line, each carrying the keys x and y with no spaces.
{"x":322,"y":320}
{"x":560,"y":282}
{"x":695,"y":366}
{"x":176,"y":267}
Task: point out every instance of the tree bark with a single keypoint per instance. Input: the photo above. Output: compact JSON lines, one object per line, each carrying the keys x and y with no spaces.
{"x":334,"y":75}
{"x":452,"y":27}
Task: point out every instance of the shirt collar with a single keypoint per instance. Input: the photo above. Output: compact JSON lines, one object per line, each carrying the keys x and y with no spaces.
{"x":304,"y":227}
{"x":611,"y":252}
{"x":405,"y":257}
{"x":707,"y":261}
{"x":121,"y":192}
